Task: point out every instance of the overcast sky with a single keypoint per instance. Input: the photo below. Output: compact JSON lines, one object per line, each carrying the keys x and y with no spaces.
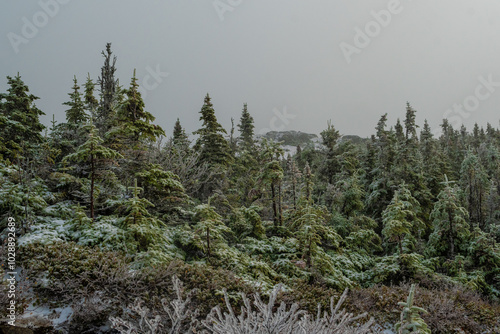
{"x":296,"y":63}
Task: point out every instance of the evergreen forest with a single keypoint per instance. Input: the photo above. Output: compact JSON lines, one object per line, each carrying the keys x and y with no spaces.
{"x":144,"y":229}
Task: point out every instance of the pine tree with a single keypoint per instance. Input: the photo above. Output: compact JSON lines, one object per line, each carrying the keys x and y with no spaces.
{"x":308,"y":183}
{"x":214,"y":148}
{"x":209,"y":228}
{"x":474,"y":182}
{"x":133,"y":123}
{"x":94,"y":155}
{"x":109,"y":88}
{"x":180,"y":137}
{"x":91,"y":102}
{"x":411,"y":322}
{"x":295,"y":174}
{"x":67,"y":136}
{"x":410,"y":125}
{"x":142,"y":226}
{"x":246,"y":128}
{"x":449,"y":218}
{"x":161,"y":186}
{"x":272,"y":174}
{"x":400,"y":218}
{"x":20,"y":126}
{"x":309,"y":225}
{"x":330,"y":136}
{"x":76,"y":113}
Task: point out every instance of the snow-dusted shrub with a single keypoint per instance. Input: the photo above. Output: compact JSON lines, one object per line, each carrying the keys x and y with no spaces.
{"x":255,"y":318}
{"x":180,"y":319}
{"x":264,"y":318}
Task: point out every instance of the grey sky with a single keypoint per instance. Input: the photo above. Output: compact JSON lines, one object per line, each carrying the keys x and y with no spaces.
{"x":282,"y":57}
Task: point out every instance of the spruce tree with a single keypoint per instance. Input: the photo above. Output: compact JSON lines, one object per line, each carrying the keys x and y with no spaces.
{"x":75,"y":115}
{"x":109,"y":88}
{"x":474,"y":182}
{"x":410,"y":321}
{"x":133,"y":124}
{"x":209,"y":228}
{"x":211,"y":142}
{"x":246,"y":128}
{"x":272,"y":174}
{"x":449,"y":219}
{"x":179,"y":136}
{"x":91,"y":102}
{"x":400,"y":218}
{"x":140,"y":224}
{"x":20,"y":126}
{"x":93,"y":154}
{"x":67,"y":136}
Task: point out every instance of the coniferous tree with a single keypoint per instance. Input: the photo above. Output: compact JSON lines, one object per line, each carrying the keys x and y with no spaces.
{"x":67,"y":136}
{"x":109,"y":88}
{"x":91,"y":102}
{"x":133,"y":123}
{"x":411,"y":322}
{"x":474,"y":183}
{"x":449,"y":218}
{"x":209,"y":228}
{"x":142,"y":226}
{"x":246,"y":128}
{"x":214,"y":148}
{"x":179,"y":136}
{"x":20,"y":127}
{"x":272,"y":174}
{"x":400,"y":218}
{"x":94,"y":155}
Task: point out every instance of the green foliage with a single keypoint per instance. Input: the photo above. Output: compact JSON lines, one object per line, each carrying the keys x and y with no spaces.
{"x":20,"y":128}
{"x":400,"y":217}
{"x":141,"y":226}
{"x":450,"y":227}
{"x":410,"y":321}
{"x":132,"y":125}
{"x":246,"y":128}
{"x":211,"y":143}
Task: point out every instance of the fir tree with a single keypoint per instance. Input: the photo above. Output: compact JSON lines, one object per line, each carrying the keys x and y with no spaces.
{"x":449,"y":218}
{"x":246,"y":128}
{"x":411,"y":322}
{"x":94,"y":155}
{"x":20,"y":126}
{"x":410,"y":124}
{"x":142,"y":226}
{"x":179,"y":136}
{"x":133,"y":123}
{"x":91,"y":102}
{"x":210,"y":229}
{"x":474,"y":182}
{"x":109,"y":88}
{"x":214,"y":148}
{"x":272,"y":174}
{"x":400,"y":218}
{"x":76,"y":113}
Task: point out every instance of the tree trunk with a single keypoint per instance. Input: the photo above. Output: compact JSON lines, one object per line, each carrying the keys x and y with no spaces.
{"x":400,"y":246}
{"x":208,"y":244}
{"x":275,"y":212}
{"x":294,"y":196}
{"x":450,"y":236}
{"x":280,"y":209}
{"x":92,"y":180}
